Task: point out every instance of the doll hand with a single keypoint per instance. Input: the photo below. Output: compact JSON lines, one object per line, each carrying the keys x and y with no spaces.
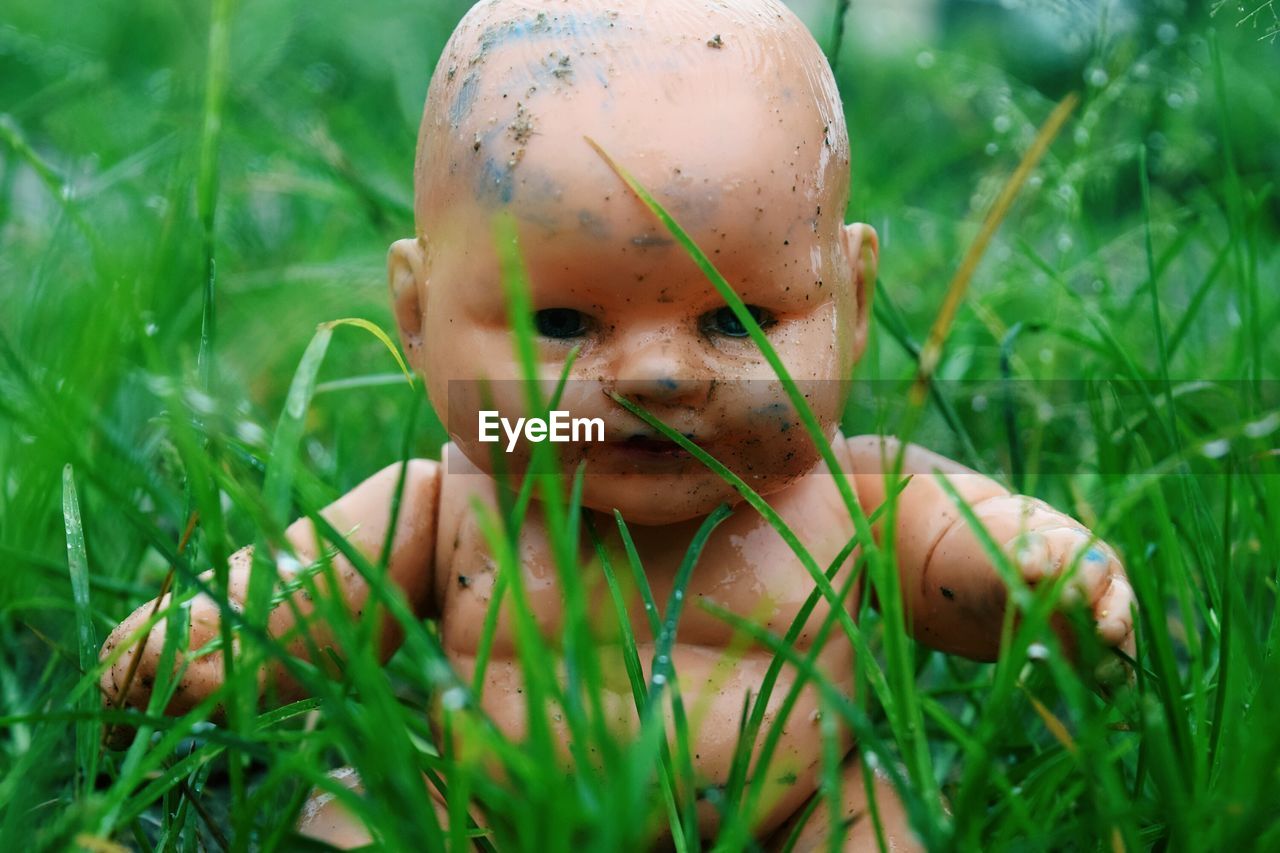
{"x":1057,"y":545}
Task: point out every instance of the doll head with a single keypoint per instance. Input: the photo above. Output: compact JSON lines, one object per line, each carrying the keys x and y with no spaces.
{"x":728,"y":113}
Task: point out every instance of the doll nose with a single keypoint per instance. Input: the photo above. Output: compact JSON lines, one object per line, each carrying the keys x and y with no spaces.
{"x":661,"y":372}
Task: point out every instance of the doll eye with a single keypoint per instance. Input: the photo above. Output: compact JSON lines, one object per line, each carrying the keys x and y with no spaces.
{"x":560,"y":323}
{"x":723,"y":321}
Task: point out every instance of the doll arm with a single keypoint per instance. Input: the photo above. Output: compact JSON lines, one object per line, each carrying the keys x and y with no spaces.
{"x":363,"y":516}
{"x":954,"y":596}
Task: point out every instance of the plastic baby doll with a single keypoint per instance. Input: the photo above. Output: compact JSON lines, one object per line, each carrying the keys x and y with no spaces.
{"x":728,"y":112}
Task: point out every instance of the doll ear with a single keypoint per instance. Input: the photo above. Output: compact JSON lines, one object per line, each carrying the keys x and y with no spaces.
{"x":407,"y":280}
{"x":862,"y":246}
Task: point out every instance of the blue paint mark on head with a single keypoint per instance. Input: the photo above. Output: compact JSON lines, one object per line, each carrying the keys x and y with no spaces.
{"x":666,"y":383}
{"x":466,"y":97}
{"x":1095,"y":556}
{"x":571,"y":26}
{"x":496,"y":183}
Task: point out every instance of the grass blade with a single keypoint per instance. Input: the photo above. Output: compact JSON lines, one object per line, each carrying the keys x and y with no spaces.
{"x":931,"y":353}
{"x":78,"y":564}
{"x":377,"y":331}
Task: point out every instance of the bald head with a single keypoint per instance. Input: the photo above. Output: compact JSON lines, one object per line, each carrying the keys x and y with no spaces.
{"x":698,"y":97}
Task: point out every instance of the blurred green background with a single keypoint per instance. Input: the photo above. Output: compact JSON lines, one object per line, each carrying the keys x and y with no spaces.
{"x":103,"y":254}
{"x":101,"y":243}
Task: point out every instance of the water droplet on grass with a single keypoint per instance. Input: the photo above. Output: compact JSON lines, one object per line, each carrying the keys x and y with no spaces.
{"x":1216,"y":449}
{"x":250,"y":433}
{"x":1266,"y":426}
{"x":454,"y":699}
{"x":200,"y":403}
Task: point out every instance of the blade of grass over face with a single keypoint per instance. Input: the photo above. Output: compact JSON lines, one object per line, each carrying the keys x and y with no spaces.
{"x":904,"y":711}
{"x":536,"y":657}
{"x":545,"y":467}
{"x":575,"y":653}
{"x":78,"y":565}
{"x":822,"y":442}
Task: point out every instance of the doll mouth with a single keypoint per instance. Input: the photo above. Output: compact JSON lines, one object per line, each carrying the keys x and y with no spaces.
{"x":647,"y":447}
{"x":654,"y":444}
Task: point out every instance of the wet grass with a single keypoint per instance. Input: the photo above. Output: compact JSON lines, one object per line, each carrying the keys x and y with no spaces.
{"x":188,"y":194}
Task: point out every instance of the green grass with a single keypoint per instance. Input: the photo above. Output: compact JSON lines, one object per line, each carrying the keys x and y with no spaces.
{"x":187,"y":193}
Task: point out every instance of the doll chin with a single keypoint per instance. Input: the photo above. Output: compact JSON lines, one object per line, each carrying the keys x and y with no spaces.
{"x":650,"y":501}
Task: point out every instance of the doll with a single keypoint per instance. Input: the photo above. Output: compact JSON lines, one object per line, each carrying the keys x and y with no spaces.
{"x":728,"y":112}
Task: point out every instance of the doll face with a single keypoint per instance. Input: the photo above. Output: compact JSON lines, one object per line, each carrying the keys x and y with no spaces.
{"x":756,"y":174}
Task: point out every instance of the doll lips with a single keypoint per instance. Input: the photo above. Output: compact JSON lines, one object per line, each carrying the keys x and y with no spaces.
{"x":649,"y":451}
{"x":654,"y":445}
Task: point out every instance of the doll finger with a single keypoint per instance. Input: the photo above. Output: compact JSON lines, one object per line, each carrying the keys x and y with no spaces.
{"x":1087,"y":568}
{"x":1114,"y":611}
{"x":1032,"y":555}
{"x":1093,"y":568}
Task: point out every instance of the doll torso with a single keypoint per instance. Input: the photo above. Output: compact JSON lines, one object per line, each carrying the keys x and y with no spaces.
{"x":745,"y":568}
